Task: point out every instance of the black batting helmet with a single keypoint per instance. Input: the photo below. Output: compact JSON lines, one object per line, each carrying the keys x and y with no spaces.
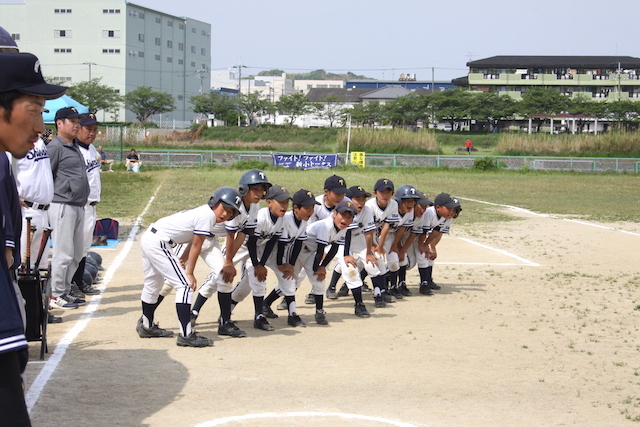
{"x":252,"y":177}
{"x":229,"y":197}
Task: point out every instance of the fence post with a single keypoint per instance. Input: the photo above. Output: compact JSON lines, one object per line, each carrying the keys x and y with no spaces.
{"x":394,"y":161}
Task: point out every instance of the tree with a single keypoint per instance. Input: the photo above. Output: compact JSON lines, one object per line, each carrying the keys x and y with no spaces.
{"x":493,"y":107}
{"x":145,"y":102}
{"x":331,"y":109}
{"x":253,"y":105}
{"x":367,"y":114}
{"x":223,"y":107}
{"x":294,"y":106}
{"x":451,"y":105}
{"x":96,"y":96}
{"x":406,"y":110}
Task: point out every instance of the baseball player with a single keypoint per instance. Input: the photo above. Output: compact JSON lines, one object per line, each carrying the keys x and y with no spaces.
{"x":437,"y":222}
{"x":253,"y":187}
{"x":268,"y":233}
{"x":385,"y":213}
{"x":327,"y":233}
{"x":160,"y":263}
{"x":362,"y":233}
{"x":335,"y":188}
{"x":86,"y":136}
{"x":413,"y":255}
{"x":289,"y":247}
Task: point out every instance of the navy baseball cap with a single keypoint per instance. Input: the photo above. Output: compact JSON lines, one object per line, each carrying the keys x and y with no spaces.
{"x":423,"y":200}
{"x":336,"y":184}
{"x":384,"y":184}
{"x":446,"y":200}
{"x":67,"y":113}
{"x":357,"y":191}
{"x":6,"y":41}
{"x":279,"y":193}
{"x":304,"y":198}
{"x":21,"y":72}
{"x":346,"y":206}
{"x":88,"y":120}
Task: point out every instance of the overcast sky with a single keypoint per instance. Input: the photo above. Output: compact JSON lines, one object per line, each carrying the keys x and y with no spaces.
{"x":384,"y":38}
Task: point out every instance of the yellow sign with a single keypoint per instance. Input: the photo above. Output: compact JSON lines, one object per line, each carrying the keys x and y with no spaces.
{"x":358,"y":158}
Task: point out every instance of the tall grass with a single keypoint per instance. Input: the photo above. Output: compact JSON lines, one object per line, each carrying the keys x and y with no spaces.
{"x":610,"y":144}
{"x":390,"y":141}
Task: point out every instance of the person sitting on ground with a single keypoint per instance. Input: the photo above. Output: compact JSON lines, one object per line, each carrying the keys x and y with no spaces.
{"x":104,"y":160}
{"x":132,"y":162}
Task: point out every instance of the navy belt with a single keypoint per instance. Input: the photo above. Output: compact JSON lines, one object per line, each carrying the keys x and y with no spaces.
{"x":171,"y":242}
{"x":36,"y":205}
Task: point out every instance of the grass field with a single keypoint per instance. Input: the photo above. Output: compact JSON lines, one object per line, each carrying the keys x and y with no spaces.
{"x":605,"y":198}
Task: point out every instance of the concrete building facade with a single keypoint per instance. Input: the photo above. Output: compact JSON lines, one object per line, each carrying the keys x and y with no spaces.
{"x":126,"y":45}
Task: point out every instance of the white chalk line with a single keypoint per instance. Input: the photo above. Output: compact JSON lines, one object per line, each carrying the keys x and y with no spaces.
{"x":503,"y":252}
{"x":33,"y":394}
{"x":527,"y":211}
{"x":222,"y":421}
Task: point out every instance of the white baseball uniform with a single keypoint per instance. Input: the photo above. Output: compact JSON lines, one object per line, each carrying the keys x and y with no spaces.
{"x":382,"y":216}
{"x":34,"y":180}
{"x":434,"y":222}
{"x":268,"y":227}
{"x":323,"y":232}
{"x":158,"y":258}
{"x":90,"y":155}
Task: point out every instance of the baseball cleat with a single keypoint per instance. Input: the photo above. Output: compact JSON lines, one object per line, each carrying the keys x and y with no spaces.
{"x":320,"y":317}
{"x":402,"y":287}
{"x":366,"y":288}
{"x":193,"y":340}
{"x":268,"y":312}
{"x":263,"y":324}
{"x":331,"y":293}
{"x":229,"y":328}
{"x":433,"y":285}
{"x":379,"y":301}
{"x":310,"y":299}
{"x":295,"y":320}
{"x":153,"y":332}
{"x":361,"y":310}
{"x":396,"y":293}
{"x":344,"y":290}
{"x":425,"y":289}
{"x":282,"y":305}
{"x":388,"y":298}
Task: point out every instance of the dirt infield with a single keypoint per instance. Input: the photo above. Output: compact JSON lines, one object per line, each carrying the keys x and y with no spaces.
{"x":536,"y":324}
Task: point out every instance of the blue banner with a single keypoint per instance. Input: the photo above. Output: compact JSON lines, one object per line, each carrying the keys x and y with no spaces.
{"x":306,"y":161}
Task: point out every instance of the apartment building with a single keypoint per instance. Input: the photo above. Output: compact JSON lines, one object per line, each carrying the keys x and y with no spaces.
{"x":594,"y":77}
{"x":127,"y":45}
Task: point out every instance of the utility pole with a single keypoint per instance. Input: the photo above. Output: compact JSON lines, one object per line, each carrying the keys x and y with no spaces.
{"x":89,"y":64}
{"x":239,"y":67}
{"x":200,"y":75}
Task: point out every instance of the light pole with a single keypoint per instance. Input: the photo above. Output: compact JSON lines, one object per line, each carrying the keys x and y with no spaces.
{"x":239,"y":67}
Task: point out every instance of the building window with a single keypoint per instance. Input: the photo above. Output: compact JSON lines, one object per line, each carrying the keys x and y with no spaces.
{"x":61,"y":50}
{"x":110,"y":50}
{"x":62,"y":33}
{"x":157,"y":41}
{"x":203,"y":67}
{"x":193,"y":49}
{"x":111,"y":34}
{"x":203,"y":51}
{"x":170,"y":44}
{"x":180,"y":97}
{"x":110,"y":11}
{"x":193,"y":30}
{"x":181,"y":46}
{"x":193,"y":64}
{"x":141,"y":15}
{"x":16,"y":36}
{"x":61,"y":10}
{"x":180,"y":61}
{"x":169,"y":59}
{"x":158,"y":20}
{"x":141,"y":37}
{"x":170,"y":23}
{"x":61,"y":79}
{"x":140,"y":54}
{"x":204,"y":33}
{"x":181,"y":26}
{"x":157,"y":57}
